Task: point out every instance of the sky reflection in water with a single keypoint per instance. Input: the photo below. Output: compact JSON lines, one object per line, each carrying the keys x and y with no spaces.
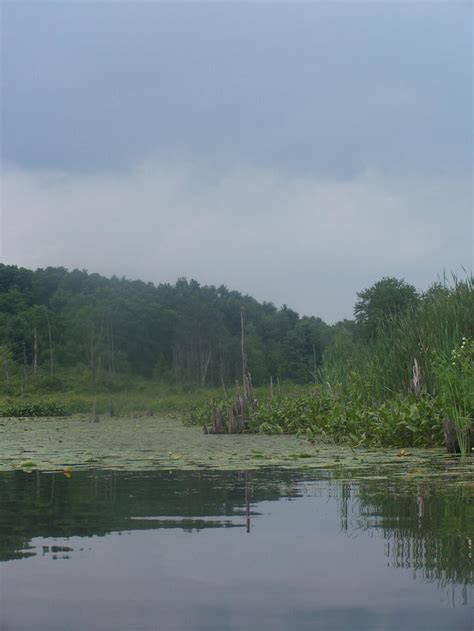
{"x":171,"y":551}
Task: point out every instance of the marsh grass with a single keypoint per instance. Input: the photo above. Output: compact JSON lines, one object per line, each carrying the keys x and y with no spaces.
{"x":435,"y":336}
{"x":380,"y":366}
{"x":139,"y":397}
{"x":455,"y":375}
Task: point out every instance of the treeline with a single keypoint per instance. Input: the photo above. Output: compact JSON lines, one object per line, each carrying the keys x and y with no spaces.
{"x":53,"y":320}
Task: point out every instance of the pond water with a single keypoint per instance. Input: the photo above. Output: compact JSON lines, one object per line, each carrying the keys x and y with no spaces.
{"x":270,"y":549}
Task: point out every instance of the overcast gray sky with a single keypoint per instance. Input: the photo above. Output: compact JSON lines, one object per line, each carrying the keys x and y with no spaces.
{"x":294,"y":151}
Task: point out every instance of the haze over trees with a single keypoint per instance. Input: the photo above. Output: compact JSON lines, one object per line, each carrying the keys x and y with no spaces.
{"x":52,"y":319}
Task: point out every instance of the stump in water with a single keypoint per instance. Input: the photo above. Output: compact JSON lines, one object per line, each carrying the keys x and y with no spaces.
{"x":451,"y":439}
{"x":218,"y":423}
{"x":236,"y":415}
{"x":234,"y":420}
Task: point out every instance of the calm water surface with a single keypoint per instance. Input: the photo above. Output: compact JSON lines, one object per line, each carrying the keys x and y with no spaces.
{"x":211,"y":551}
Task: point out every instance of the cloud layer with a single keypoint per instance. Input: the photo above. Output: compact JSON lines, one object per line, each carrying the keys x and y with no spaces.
{"x":313,"y":87}
{"x":308,"y":242}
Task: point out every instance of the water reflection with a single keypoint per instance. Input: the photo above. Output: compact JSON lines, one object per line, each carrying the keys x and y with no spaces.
{"x":271,"y":549}
{"x":96,"y":503}
{"x":427,"y":528}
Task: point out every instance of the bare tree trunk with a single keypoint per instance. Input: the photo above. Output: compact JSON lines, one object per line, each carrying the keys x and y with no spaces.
{"x":452,"y":438}
{"x":314,"y":363}
{"x":223,"y":387}
{"x":50,"y":347}
{"x":247,"y":501}
{"x":35,"y":351}
{"x":25,"y":363}
{"x":95,"y":416}
{"x":94,"y":341}
{"x":242,"y":348}
{"x":112,"y":347}
{"x":239,"y":412}
{"x":203,"y":380}
{"x":109,"y":336}
{"x":92,"y":350}
{"x":7,"y":372}
{"x":246,"y":378}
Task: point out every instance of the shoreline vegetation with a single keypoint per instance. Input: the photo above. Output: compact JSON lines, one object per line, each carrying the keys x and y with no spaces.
{"x":72,"y":342}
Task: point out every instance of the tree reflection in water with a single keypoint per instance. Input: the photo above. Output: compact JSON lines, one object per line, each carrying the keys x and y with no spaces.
{"x":428,"y":527}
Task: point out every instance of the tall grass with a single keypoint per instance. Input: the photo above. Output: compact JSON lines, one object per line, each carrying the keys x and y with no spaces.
{"x":428,"y":350}
{"x":41,"y":396}
{"x":455,"y":375}
{"x":378,"y":367}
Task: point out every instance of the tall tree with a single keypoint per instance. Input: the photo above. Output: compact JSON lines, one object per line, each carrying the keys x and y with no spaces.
{"x":380,"y":303}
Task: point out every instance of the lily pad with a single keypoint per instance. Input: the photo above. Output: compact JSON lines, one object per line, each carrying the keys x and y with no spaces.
{"x":116,"y":443}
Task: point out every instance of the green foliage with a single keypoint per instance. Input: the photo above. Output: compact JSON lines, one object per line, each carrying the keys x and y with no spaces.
{"x":382,"y":302}
{"x":139,"y":397}
{"x":455,"y":381}
{"x":85,"y":342}
{"x":317,"y":414}
{"x":33,"y":409}
{"x":382,"y":365}
{"x":404,"y":422}
{"x":53,"y":321}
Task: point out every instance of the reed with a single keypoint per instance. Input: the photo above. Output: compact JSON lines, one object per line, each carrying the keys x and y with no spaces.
{"x":382,"y":365}
{"x":427,"y":350}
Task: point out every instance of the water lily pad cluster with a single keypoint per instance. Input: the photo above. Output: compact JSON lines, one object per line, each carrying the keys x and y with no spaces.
{"x":146,"y":443}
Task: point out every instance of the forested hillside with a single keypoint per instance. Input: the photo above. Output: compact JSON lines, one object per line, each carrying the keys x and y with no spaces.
{"x":52,"y":320}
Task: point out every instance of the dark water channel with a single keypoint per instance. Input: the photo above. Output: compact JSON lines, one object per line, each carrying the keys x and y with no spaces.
{"x":215,"y":551}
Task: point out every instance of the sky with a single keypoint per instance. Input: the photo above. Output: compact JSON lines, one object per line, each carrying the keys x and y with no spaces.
{"x":297,"y":152}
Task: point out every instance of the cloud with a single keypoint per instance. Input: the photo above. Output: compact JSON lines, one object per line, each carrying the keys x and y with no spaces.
{"x":326,"y":87}
{"x":308,"y":242}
